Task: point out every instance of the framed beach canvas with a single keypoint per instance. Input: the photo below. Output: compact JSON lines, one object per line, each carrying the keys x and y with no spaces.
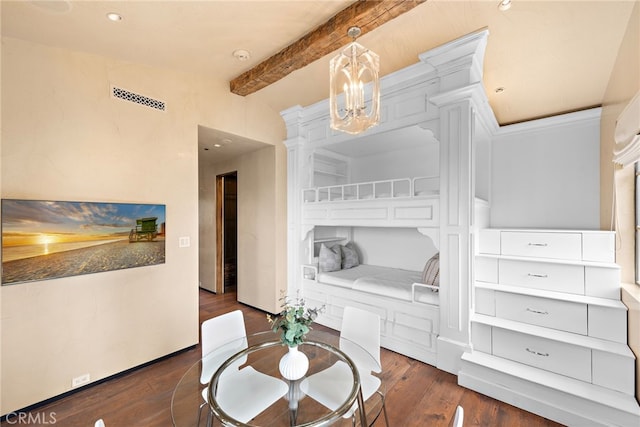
{"x":52,"y":239}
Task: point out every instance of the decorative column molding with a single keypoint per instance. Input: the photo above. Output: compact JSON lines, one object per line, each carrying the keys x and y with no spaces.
{"x":293,"y":121}
{"x":460,"y":62}
{"x":462,"y":103}
{"x":456,"y":204}
{"x":294,"y":143}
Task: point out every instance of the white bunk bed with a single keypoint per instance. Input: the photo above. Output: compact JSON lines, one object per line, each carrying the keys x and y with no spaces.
{"x":409,"y":310}
{"x":408,"y":307}
{"x":406,"y":202}
{"x":439,"y":106}
{"x":407,"y":302}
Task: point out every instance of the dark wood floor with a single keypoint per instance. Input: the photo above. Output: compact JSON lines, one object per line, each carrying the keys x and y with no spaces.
{"x":417,"y":394}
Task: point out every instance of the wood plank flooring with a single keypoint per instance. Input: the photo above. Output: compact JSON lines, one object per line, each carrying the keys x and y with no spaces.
{"x":417,"y":394}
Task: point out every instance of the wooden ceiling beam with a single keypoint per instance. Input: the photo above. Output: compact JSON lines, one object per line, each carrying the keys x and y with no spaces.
{"x":328,"y":37}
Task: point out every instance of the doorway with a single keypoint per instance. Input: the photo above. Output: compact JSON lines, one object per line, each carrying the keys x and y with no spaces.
{"x":226,"y":232}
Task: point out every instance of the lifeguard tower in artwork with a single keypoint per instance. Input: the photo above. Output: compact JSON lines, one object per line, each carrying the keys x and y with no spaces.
{"x":146,"y":230}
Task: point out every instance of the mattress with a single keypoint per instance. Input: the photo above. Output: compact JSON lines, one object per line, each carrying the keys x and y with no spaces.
{"x":385,"y":281}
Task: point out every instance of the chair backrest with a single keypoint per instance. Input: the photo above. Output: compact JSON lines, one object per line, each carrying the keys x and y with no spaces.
{"x":363,"y":328}
{"x":99,"y":423}
{"x":459,"y":417}
{"x":222,"y":329}
{"x":226,"y":330}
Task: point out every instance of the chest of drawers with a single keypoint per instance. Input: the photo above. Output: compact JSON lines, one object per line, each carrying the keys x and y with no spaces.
{"x":547,"y":309}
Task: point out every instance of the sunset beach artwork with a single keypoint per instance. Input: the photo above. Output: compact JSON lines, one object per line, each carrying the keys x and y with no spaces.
{"x":50,"y":239}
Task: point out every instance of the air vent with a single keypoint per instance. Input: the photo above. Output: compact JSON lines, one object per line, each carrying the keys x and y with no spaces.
{"x":137,"y":98}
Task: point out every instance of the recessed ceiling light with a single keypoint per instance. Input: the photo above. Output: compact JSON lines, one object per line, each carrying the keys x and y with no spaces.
{"x":241,"y":54}
{"x":115,"y":17}
{"x":499,"y":89}
{"x":504,"y":5}
{"x":217,"y":145}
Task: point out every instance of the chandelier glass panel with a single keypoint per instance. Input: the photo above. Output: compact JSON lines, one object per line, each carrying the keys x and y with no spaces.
{"x":354,"y":95}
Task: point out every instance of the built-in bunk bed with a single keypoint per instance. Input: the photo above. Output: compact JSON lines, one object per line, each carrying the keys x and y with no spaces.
{"x":384,"y":220}
{"x":371,"y":227}
{"x":363,"y":245}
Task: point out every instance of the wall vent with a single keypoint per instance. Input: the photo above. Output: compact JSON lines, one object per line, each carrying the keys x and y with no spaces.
{"x":137,"y":98}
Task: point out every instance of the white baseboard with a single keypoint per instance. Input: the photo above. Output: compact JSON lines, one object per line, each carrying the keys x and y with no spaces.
{"x":449,"y":353}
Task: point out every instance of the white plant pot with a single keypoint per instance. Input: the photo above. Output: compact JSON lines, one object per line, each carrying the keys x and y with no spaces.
{"x":294,"y":364}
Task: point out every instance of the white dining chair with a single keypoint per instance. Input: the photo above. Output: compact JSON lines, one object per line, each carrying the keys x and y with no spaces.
{"x":360,"y":331}
{"x":222,"y":337}
{"x":99,"y":423}
{"x":458,"y":418}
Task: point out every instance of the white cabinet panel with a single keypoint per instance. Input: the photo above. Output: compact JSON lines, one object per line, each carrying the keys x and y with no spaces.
{"x":541,"y":275}
{"x":485,"y":302}
{"x":542,"y":245}
{"x":554,"y":356}
{"x":555,"y":314}
{"x":489,"y":242}
{"x":608,"y":323}
{"x":487,"y":270}
{"x":613,"y":371}
{"x":602,"y":282}
{"x":481,"y":337}
{"x":598,"y":247}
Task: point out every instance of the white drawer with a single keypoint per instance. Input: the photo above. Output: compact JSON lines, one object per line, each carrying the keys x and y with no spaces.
{"x":541,"y":275}
{"x":542,"y":245}
{"x":554,"y":356}
{"x":550,"y":313}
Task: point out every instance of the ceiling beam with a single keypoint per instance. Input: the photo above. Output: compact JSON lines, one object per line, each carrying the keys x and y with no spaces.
{"x":328,"y":37}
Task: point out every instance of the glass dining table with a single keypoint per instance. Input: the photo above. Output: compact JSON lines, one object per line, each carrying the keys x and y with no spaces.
{"x":214,"y":390}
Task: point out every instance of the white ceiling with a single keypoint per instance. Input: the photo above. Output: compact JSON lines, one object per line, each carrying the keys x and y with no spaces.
{"x":549,"y":56}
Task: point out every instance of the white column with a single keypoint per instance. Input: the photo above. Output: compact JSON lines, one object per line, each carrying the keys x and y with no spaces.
{"x":456,"y":205}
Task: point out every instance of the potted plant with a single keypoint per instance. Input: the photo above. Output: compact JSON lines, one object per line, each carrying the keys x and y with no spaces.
{"x":293,"y":324}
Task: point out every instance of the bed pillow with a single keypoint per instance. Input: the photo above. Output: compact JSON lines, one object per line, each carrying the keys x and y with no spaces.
{"x":431,"y":272}
{"x":350,"y":257}
{"x":330,"y":259}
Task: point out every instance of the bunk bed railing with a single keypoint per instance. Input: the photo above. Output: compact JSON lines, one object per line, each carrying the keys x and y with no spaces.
{"x":385,"y":189}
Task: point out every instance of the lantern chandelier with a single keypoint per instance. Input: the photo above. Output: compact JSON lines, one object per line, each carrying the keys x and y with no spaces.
{"x":354,"y":94}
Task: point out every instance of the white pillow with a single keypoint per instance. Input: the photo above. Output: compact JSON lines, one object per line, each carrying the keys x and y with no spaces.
{"x":431,"y":272}
{"x":350,"y":256}
{"x":330,"y":259}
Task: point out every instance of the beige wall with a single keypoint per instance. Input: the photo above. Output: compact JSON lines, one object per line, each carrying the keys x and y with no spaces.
{"x":624,"y":83}
{"x":65,"y":138}
{"x":261,"y":273}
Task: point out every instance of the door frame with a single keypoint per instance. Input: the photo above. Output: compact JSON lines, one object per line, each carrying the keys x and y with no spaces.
{"x":220,"y":185}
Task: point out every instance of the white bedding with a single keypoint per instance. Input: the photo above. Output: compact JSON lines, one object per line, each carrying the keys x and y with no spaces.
{"x":386,"y":281}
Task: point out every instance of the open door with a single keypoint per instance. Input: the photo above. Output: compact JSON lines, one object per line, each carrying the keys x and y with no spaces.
{"x":227,"y":232}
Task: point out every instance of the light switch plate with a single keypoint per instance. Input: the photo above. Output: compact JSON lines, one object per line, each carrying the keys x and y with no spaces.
{"x":184,"y":242}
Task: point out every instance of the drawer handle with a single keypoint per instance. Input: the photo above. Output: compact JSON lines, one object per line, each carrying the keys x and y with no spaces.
{"x":537,"y":353}
{"x":531,"y":310}
{"x":538,"y":244}
{"x":541,"y":276}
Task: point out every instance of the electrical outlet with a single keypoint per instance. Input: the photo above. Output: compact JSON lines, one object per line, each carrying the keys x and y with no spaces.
{"x":82,"y":379}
